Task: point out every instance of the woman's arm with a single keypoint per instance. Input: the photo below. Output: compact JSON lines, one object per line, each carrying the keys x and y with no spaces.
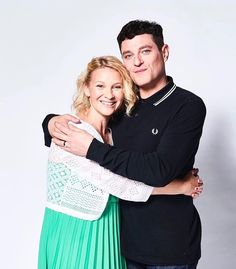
{"x":116,"y":185}
{"x":191,"y":185}
{"x":128,"y":189}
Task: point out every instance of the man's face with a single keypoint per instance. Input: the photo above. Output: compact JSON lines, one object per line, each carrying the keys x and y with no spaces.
{"x":144,"y":61}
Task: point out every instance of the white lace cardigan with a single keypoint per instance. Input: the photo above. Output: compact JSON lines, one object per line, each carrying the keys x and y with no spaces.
{"x":80,"y":187}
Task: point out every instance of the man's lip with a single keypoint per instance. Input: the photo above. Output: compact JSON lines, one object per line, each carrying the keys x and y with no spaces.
{"x":140,"y":70}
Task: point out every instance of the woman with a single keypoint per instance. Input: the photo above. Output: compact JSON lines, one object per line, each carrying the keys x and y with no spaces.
{"x":81,"y":222}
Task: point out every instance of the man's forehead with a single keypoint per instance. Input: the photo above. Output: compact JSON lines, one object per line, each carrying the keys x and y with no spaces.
{"x":137,"y":42}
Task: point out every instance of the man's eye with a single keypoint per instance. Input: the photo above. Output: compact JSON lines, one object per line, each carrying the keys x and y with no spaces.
{"x":127,"y":56}
{"x":146,"y":51}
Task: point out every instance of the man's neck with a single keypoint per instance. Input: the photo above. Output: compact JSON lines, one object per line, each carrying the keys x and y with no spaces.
{"x":146,"y":92}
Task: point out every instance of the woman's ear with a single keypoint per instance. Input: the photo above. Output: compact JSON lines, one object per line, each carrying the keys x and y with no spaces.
{"x":86,"y":91}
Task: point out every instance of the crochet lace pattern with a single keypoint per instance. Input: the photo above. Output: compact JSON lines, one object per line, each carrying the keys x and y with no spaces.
{"x":80,"y":187}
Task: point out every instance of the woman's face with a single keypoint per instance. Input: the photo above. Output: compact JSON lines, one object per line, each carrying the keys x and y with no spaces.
{"x":105,"y":91}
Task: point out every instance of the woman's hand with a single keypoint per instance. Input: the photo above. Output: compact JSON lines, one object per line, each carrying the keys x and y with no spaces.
{"x":192,"y":184}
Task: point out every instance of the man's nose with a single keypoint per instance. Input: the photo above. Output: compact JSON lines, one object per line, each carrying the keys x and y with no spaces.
{"x":138,"y":60}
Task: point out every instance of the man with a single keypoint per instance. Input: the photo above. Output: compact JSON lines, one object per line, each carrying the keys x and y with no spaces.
{"x":155,"y":145}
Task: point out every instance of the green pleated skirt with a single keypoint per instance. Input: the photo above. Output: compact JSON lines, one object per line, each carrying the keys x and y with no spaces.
{"x":67,"y":242}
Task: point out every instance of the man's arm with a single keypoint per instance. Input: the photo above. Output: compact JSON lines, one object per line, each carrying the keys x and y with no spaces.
{"x":47,"y":136}
{"x":178,"y":144}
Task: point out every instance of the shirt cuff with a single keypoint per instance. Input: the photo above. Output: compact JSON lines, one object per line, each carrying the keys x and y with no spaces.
{"x":47,"y":136}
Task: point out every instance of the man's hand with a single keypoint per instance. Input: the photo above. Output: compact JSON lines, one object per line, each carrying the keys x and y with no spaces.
{"x":63,"y":120}
{"x":71,"y":138}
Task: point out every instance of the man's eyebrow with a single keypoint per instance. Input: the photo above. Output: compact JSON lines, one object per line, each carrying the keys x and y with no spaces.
{"x":142,"y":47}
{"x":126,"y":51}
{"x":146,"y":46}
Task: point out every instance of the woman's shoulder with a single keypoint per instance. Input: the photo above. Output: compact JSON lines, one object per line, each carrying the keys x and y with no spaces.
{"x":88,"y":128}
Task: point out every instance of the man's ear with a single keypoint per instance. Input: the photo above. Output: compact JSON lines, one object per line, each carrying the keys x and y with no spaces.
{"x":165,"y":52}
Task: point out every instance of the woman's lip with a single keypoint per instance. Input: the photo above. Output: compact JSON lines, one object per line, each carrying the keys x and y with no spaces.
{"x":108,"y":103}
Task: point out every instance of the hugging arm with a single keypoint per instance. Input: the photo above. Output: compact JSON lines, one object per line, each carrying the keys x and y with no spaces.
{"x":178,"y":145}
{"x":49,"y":124}
{"x":128,"y":189}
{"x":47,"y":136}
{"x":116,"y":185}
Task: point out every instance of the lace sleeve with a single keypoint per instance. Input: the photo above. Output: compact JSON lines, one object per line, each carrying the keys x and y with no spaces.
{"x":102,"y":178}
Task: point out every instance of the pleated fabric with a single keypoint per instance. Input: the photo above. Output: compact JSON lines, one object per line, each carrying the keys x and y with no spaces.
{"x":67,"y":242}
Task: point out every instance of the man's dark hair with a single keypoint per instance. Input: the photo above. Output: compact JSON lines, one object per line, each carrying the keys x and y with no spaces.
{"x":139,"y":27}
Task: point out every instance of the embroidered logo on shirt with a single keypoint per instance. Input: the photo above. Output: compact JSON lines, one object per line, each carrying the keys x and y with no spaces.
{"x":155,"y":131}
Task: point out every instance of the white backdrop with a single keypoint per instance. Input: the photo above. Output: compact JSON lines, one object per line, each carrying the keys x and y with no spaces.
{"x":44,"y":46}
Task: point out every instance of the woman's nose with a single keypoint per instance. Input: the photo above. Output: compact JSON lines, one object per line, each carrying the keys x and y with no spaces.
{"x":108,"y":93}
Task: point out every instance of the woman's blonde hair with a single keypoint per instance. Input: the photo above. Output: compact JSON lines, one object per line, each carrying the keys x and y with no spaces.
{"x":81,"y":102}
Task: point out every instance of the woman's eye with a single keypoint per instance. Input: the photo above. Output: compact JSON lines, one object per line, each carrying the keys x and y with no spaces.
{"x":99,"y":85}
{"x":118,"y":87}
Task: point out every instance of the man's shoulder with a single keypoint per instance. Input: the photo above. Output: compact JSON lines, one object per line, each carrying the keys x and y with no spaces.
{"x":190,"y":101}
{"x":187,"y":96}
